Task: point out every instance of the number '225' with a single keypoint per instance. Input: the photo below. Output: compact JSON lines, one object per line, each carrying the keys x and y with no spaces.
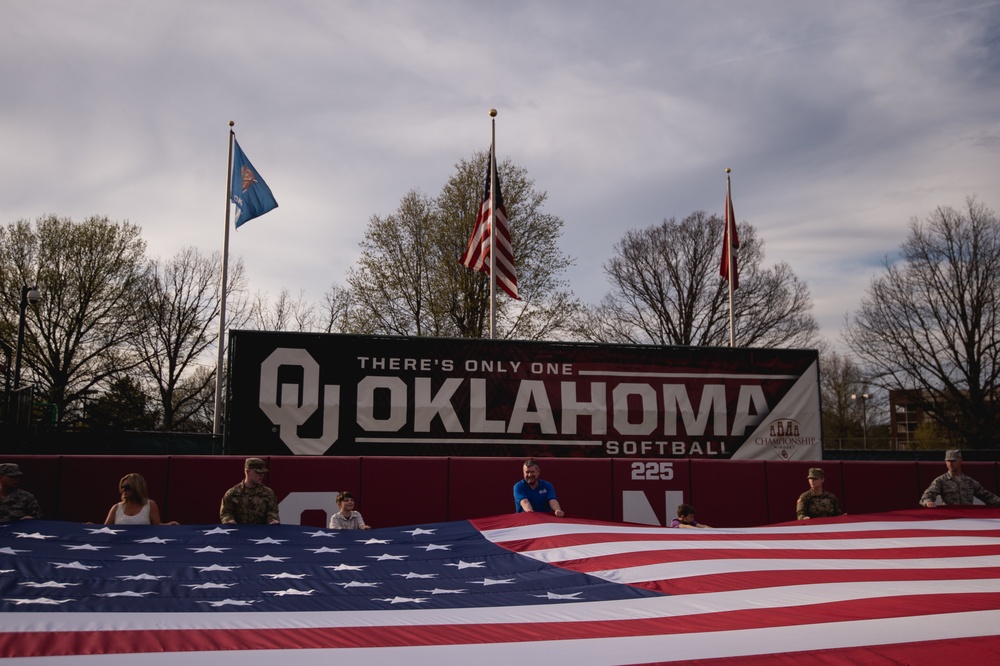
{"x":652,"y":471}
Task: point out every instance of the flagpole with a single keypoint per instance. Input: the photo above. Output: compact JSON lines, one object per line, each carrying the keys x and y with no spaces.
{"x":493,"y":218}
{"x":729,"y":256}
{"x":217,"y":425}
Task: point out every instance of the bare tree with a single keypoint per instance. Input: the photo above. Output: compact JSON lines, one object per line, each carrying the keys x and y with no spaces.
{"x":90,"y":274}
{"x":409,"y":280}
{"x":196,"y":392}
{"x":931,"y":321}
{"x":283,"y":314}
{"x":840,"y":378}
{"x":666,"y":290}
{"x":337,"y":306}
{"x":180,"y":314}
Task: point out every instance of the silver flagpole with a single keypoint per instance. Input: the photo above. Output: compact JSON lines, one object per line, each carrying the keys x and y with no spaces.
{"x":493,"y":229}
{"x":730,"y":224}
{"x":217,"y":427}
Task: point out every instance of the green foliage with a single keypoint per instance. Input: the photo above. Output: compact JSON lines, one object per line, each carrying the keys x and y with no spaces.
{"x":929,"y":436}
{"x":124,"y":406}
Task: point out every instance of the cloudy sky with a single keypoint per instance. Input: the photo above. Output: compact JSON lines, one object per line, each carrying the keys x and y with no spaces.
{"x":840,"y":120}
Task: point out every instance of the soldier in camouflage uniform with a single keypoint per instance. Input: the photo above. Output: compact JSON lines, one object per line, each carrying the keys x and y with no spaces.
{"x":816,"y":502}
{"x":250,"y":502}
{"x":955,"y":487}
{"x":15,"y":504}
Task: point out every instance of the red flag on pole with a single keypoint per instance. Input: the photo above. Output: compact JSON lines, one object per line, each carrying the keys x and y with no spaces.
{"x":728,"y":256}
{"x":477,"y":255}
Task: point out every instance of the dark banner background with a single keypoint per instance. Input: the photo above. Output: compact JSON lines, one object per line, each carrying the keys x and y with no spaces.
{"x":503,"y":371}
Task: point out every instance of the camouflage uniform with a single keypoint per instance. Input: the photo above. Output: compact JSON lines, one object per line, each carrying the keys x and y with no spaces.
{"x":811,"y":505}
{"x":958,"y":490}
{"x":249,"y":506}
{"x":18,"y":504}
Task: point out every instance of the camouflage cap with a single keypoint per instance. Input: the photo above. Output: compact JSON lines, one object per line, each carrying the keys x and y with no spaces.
{"x":256,"y":464}
{"x":815,"y":473}
{"x":10,"y":469}
{"x":953,"y":454}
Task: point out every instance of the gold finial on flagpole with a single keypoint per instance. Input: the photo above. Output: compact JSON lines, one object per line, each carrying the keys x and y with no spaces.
{"x":493,"y":113}
{"x":728,"y":169}
{"x":231,"y":123}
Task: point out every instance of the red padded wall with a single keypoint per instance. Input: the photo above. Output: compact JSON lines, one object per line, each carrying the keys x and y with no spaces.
{"x":876,"y":486}
{"x":307,"y":487}
{"x":395,"y":491}
{"x":41,"y":476}
{"x":983,"y":472}
{"x":583,"y":486}
{"x":481,"y":487}
{"x":197,"y":484}
{"x":729,"y":493}
{"x":403,"y":491}
{"x":648,"y":491}
{"x":89,"y":485}
{"x":787,"y":480}
{"x":927,"y":472}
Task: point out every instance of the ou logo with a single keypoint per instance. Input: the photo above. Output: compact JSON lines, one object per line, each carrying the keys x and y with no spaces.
{"x":290,"y":405}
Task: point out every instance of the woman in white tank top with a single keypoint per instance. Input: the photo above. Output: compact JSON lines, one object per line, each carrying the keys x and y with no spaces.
{"x":122,"y":518}
{"x":135,"y":508}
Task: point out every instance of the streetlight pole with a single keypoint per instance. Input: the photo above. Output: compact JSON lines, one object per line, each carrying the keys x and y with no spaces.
{"x":28,"y":295}
{"x":864,"y":417}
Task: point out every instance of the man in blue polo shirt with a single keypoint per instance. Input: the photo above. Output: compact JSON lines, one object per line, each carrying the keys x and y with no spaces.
{"x":533,"y":494}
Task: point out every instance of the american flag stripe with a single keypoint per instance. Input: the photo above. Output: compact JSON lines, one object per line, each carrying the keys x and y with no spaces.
{"x":819,"y":565}
{"x":768,"y":579}
{"x":928,"y":639}
{"x":906,"y":523}
{"x":964,"y":605}
{"x":668,"y":551}
{"x":745,"y":594}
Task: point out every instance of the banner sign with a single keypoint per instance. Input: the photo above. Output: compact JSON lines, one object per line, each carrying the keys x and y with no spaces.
{"x":330,"y":394}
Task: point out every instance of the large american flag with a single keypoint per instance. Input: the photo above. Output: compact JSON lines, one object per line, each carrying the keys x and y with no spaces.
{"x":477,"y":254}
{"x":906,"y":587}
